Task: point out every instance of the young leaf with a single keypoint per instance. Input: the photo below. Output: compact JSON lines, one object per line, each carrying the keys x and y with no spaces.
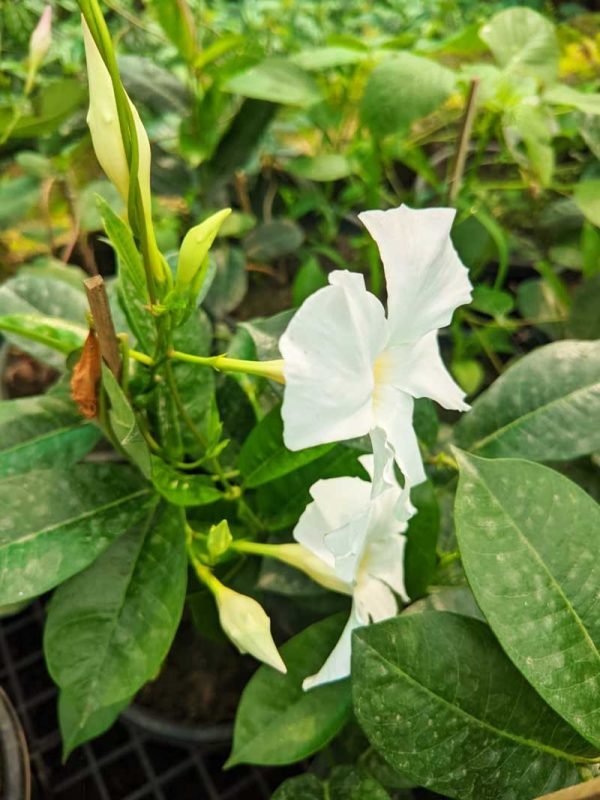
{"x":529,"y":540}
{"x":346,"y":783}
{"x":55,"y":522}
{"x":183,"y":489}
{"x":110,"y":627}
{"x":428,"y":686}
{"x":402,"y":89}
{"x":278,"y":722}
{"x":543,"y":408}
{"x":124,"y":423}
{"x":132,"y":288}
{"x":264,"y":456}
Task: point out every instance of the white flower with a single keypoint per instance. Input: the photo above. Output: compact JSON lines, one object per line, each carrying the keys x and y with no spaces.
{"x":349,"y":368}
{"x":355,"y":527}
{"x":246,"y":624}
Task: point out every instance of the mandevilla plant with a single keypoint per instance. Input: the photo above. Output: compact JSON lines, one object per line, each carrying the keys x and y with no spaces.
{"x":160,"y":470}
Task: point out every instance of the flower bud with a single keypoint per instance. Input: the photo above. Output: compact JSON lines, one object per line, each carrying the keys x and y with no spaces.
{"x":39,"y":44}
{"x":195,"y":247}
{"x":103,"y":121}
{"x":246,"y":624}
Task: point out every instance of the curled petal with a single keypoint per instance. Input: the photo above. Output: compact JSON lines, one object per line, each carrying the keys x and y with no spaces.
{"x":419,"y":370}
{"x":426,"y":280}
{"x":329,"y":349}
{"x":337,"y":665}
{"x":374,"y":600}
{"x":336,"y":502}
{"x":393,"y":410}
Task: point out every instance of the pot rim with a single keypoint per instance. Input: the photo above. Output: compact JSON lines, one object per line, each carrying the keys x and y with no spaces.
{"x":204,"y":733}
{"x":15,"y":775}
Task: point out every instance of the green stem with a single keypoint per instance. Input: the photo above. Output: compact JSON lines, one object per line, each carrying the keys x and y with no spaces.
{"x":265,"y":369}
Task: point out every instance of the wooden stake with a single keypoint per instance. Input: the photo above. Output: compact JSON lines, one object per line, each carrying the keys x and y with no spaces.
{"x":464,"y":137}
{"x":103,"y":323}
{"x":589,"y":790}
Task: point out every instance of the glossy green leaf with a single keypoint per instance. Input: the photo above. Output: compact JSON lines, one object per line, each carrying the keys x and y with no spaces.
{"x":46,"y":298}
{"x":183,"y":488}
{"x":278,"y":722}
{"x":523,"y":42}
{"x":124,"y":424}
{"x":403,"y":89}
{"x":278,"y":81}
{"x":58,"y":334}
{"x":345,"y":783}
{"x":310,"y":277}
{"x":132,"y":288}
{"x":230,"y":282}
{"x":529,"y":538}
{"x":39,"y":432}
{"x":441,"y":702}
{"x":55,"y":522}
{"x":264,"y":457}
{"x":544,"y":407}
{"x":110,"y":627}
{"x":69,"y":719}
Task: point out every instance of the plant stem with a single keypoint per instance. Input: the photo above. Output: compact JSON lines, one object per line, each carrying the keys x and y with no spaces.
{"x":458,"y":167}
{"x":266,"y":369}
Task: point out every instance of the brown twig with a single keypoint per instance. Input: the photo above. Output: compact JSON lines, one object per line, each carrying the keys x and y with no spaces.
{"x":103,"y":323}
{"x":458,"y":166}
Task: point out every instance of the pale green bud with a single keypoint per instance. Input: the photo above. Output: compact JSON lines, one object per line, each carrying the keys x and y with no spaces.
{"x":218,"y":540}
{"x":192,"y":263}
{"x":39,"y":44}
{"x":246,"y":624}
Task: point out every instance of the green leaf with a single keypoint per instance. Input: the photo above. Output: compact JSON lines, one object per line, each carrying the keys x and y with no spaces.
{"x":176,"y":19}
{"x":52,"y":105}
{"x":325,"y":167}
{"x":34,"y":435}
{"x":230,"y":282}
{"x":55,"y":522}
{"x":281,"y":501}
{"x":529,"y":540}
{"x":523,"y":42}
{"x":110,"y":627}
{"x":69,"y":719}
{"x":425,"y":421}
{"x":587,"y":197}
{"x":131,"y":287}
{"x":584,"y":317}
{"x":272,"y":240}
{"x":124,"y":424}
{"x":58,"y":334}
{"x":278,"y":722}
{"x":264,"y":457}
{"x":309,"y":278}
{"x":539,"y":303}
{"x":183,"y":488}
{"x":319,"y":58}
{"x":494,"y":302}
{"x":302,"y":787}
{"x":440,"y":701}
{"x":563,"y":95}
{"x":277,"y":81}
{"x":195,"y":385}
{"x":420,"y":557}
{"x":544,"y":407}
{"x":458,"y":599}
{"x":403,"y":89}
{"x":43,"y":299}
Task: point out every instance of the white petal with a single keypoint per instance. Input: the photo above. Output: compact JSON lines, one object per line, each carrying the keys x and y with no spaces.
{"x":382,"y":471}
{"x":375,"y":600}
{"x":336,"y":502}
{"x":393,"y":410}
{"x":419,"y":370}
{"x":347,"y":544}
{"x":384,"y":560}
{"x":426,"y":280}
{"x":329,"y":349}
{"x":337,"y":665}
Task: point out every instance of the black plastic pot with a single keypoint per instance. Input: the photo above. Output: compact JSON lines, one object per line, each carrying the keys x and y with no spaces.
{"x":15,"y":777}
{"x":203,"y":734}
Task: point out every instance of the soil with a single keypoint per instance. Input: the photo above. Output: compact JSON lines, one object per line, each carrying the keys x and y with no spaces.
{"x":201,"y":681}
